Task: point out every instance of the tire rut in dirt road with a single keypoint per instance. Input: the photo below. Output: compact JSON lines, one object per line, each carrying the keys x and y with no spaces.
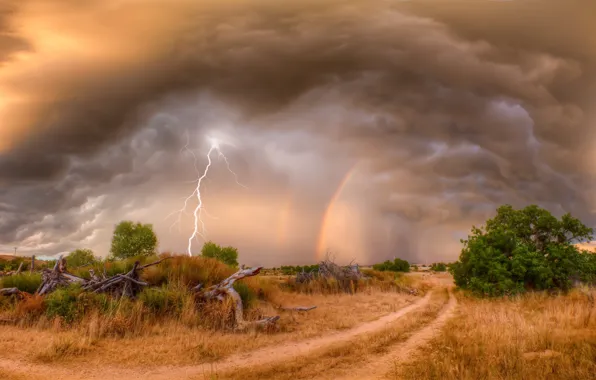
{"x":381,"y":366}
{"x":261,"y":356}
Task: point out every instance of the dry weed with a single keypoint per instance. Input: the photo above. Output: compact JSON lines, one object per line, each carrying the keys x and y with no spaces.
{"x":530,"y":337}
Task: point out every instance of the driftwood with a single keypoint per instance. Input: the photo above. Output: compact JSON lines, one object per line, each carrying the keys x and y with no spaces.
{"x":120,"y":285}
{"x":225,"y":288}
{"x":57,"y":277}
{"x":9,"y":291}
{"x":347,"y":277}
{"x":123,"y":284}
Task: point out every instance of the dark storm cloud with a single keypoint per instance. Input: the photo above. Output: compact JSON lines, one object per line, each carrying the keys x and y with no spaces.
{"x":463,"y":110}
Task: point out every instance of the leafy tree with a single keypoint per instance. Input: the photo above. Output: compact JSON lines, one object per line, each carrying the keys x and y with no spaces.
{"x":438,"y":267}
{"x":522,"y":249}
{"x":227,"y":255}
{"x":80,"y":257}
{"x":397,"y":265}
{"x":133,"y":239}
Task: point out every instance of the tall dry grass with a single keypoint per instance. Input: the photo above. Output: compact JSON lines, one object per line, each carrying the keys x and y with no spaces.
{"x":534,"y":336}
{"x":166,"y":324}
{"x":373,"y":281}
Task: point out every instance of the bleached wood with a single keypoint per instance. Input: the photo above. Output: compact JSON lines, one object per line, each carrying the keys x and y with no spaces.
{"x":226,"y":288}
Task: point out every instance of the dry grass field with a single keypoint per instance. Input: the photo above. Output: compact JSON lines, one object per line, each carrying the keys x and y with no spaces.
{"x":530,"y":337}
{"x":376,"y":333}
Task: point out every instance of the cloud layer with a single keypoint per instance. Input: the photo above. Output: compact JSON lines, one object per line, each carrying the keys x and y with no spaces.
{"x":448,"y":111}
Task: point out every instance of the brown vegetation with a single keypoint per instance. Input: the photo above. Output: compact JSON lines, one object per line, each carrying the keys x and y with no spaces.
{"x":535,"y":336}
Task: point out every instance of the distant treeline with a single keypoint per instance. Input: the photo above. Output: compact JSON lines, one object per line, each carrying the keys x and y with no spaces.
{"x":295,"y":269}
{"x":7,"y":265}
{"x":439,"y":267}
{"x":399,"y":265}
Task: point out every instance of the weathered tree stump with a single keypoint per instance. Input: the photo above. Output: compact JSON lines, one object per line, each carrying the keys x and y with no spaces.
{"x":225,"y":288}
{"x":57,"y":277}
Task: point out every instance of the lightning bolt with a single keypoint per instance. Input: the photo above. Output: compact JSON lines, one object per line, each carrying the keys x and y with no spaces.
{"x":214,"y":145}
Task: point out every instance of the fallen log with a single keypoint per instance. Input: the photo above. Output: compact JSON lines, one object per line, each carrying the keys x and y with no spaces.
{"x":122,"y":284}
{"x":9,"y":291}
{"x":119,"y":285}
{"x":225,"y":288}
{"x":57,"y":277}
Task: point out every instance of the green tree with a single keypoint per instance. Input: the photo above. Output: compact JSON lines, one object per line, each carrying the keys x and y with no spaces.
{"x":80,"y":257}
{"x":133,"y":239}
{"x":438,"y":267}
{"x":227,"y":255}
{"x":519,"y":250}
{"x":397,"y":265}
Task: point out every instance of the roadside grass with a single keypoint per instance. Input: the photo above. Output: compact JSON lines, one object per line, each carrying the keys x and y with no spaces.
{"x":534,"y":336}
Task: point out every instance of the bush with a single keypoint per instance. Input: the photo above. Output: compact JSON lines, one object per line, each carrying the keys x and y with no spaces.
{"x":63,"y":303}
{"x":438,"y":267}
{"x":25,"y":282}
{"x":227,"y":255}
{"x":292,"y":270}
{"x":249,"y":297}
{"x":80,"y":257}
{"x":520,"y":250}
{"x":397,"y":265}
{"x":163,"y":300}
{"x":133,"y":239}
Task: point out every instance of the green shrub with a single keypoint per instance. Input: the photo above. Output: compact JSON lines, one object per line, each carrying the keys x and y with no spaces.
{"x":438,"y":267}
{"x":292,"y":270}
{"x":80,"y":257}
{"x":248,"y":295}
{"x":25,"y":282}
{"x":162,"y":300}
{"x":227,"y":255}
{"x":63,"y":303}
{"x":520,"y":250}
{"x":397,"y":265}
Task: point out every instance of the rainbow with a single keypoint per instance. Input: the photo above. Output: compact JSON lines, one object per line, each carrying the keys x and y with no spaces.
{"x":321,"y":247}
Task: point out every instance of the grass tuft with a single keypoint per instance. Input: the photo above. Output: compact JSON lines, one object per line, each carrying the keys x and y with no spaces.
{"x":25,"y":282}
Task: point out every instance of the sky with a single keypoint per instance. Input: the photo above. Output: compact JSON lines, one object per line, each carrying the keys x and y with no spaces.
{"x":368,"y":129}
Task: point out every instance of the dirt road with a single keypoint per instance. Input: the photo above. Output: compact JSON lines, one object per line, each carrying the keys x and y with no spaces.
{"x":265,"y":355}
{"x":380,"y":367}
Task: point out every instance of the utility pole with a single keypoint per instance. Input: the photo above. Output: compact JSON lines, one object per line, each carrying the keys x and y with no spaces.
{"x":15,"y":251}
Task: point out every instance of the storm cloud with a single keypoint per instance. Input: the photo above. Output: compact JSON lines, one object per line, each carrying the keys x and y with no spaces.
{"x":447,"y":111}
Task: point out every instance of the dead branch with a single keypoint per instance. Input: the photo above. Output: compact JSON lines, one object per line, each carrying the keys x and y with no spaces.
{"x":119,"y":285}
{"x":154,"y":263}
{"x":122,"y":284}
{"x":57,"y":277}
{"x":347,"y":277}
{"x":9,"y":291}
{"x":219,"y":291}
